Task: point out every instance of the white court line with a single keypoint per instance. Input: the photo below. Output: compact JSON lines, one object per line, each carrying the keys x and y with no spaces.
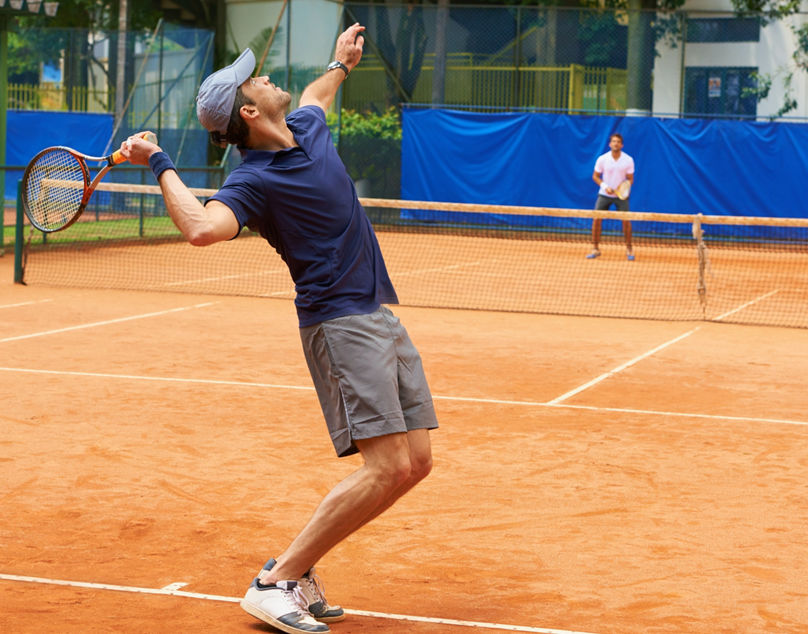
{"x":170,"y":591}
{"x":620,"y":368}
{"x":168,"y":379}
{"x":104,"y":323}
{"x":746,"y":419}
{"x":747,"y":304}
{"x":39,"y":301}
{"x":437,"y":397}
{"x":439,"y":269}
{"x":221,"y":278}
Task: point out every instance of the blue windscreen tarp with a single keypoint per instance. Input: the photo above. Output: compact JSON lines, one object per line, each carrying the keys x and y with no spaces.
{"x":714,"y":167}
{"x":90,"y":133}
{"x":32,"y":131}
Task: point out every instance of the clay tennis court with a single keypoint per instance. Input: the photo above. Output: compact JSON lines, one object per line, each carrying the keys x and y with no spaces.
{"x":591,"y":475}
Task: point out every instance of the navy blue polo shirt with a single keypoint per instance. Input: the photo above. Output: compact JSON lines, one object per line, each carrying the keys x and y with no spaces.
{"x":302,"y":201}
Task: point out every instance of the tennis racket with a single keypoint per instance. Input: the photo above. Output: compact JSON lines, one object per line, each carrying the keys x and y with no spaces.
{"x":56,"y":185}
{"x":623,"y":190}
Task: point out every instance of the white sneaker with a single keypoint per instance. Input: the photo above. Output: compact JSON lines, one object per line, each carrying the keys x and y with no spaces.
{"x":313,"y":596}
{"x":281,"y":605}
{"x":313,"y":590}
{"x":595,"y":253}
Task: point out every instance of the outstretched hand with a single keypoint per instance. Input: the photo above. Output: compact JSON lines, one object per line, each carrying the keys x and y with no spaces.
{"x":349,"y":45}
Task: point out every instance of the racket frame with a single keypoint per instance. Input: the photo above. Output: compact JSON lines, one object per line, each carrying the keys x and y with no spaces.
{"x":116,"y":158}
{"x":623,"y":190}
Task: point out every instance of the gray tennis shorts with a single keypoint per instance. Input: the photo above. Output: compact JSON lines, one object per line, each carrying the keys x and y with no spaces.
{"x":604,"y":202}
{"x":368,"y":376}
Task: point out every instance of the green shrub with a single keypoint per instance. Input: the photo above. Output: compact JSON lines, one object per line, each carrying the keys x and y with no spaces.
{"x":370,"y":147}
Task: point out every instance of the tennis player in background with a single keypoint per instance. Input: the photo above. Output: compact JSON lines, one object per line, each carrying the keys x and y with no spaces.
{"x":293,"y":188}
{"x":611,"y":169}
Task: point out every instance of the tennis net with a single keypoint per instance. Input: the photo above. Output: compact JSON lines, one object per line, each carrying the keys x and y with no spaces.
{"x":450,"y":255}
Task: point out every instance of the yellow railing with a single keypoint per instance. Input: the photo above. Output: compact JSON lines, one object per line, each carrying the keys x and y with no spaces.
{"x":572,"y":88}
{"x":55,"y":96}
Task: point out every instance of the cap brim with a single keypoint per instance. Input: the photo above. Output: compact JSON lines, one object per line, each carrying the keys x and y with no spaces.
{"x":244,"y":65}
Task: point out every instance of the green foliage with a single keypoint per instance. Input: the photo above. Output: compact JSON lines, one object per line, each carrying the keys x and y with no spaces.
{"x":763,"y":85}
{"x":98,"y":14}
{"x":370,"y":147}
{"x":37,"y":39}
{"x":801,"y":54}
{"x":768,"y":11}
{"x":27,"y":50}
{"x":599,"y":34}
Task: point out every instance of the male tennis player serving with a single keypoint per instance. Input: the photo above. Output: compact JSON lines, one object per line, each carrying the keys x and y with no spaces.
{"x":612,"y":170}
{"x":293,"y":188}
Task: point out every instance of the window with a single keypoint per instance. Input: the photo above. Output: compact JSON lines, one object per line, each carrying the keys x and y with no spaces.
{"x":719,"y":91}
{"x":723,"y":30}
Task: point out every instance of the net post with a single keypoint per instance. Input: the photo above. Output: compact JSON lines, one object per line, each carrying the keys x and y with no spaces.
{"x":3,"y":221}
{"x":18,"y":237}
{"x":701,"y":251}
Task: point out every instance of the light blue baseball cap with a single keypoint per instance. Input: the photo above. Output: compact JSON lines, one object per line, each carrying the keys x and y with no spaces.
{"x":217,"y":94}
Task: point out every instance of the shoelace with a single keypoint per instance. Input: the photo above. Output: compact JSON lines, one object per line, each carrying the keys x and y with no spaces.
{"x":295,"y":598}
{"x":315,"y":586}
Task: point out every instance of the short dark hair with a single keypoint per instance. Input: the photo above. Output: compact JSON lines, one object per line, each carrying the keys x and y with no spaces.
{"x":237,"y":129}
{"x":616,"y":134}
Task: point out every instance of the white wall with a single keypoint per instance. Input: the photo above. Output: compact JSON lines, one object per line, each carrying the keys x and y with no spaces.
{"x":314,"y":25}
{"x":771,"y":55}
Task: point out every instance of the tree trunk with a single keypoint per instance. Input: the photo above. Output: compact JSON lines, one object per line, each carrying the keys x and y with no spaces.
{"x":439,"y":71}
{"x":640,"y":55}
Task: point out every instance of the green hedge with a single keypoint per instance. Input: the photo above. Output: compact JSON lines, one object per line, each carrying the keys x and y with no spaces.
{"x":370,"y":147}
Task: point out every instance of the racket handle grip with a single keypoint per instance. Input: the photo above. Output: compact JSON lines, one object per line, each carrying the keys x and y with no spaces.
{"x":117,"y":157}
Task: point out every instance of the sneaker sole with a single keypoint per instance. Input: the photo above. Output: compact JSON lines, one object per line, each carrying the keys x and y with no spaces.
{"x":252,"y":610}
{"x":330,"y":619}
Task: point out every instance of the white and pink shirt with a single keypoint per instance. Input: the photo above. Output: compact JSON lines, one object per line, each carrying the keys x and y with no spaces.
{"x":613,"y":172}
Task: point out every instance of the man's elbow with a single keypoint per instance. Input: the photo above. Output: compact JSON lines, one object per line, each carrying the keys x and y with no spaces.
{"x":202,"y":237}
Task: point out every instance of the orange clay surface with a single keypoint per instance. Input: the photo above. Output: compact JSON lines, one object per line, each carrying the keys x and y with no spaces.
{"x":150,"y":439}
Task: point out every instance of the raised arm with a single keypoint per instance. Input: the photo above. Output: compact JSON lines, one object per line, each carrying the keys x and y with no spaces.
{"x":348,"y":51}
{"x":200,"y":224}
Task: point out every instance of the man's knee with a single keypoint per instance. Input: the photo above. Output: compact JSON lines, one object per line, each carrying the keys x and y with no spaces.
{"x":388,"y":460}
{"x":420,"y":454}
{"x":398,"y":459}
{"x":421,"y":465}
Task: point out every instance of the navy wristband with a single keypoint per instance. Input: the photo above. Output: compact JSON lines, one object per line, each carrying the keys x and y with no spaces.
{"x":159,"y":163}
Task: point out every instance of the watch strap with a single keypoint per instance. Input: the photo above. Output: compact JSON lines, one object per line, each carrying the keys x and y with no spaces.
{"x":338,"y":64}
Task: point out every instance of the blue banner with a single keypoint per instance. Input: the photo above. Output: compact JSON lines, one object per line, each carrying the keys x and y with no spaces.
{"x":32,"y":131}
{"x":714,"y":167}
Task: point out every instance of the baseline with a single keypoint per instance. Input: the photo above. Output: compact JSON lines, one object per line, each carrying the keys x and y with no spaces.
{"x":171,"y":590}
{"x":437,"y":397}
{"x":107,"y":322}
{"x":18,"y":305}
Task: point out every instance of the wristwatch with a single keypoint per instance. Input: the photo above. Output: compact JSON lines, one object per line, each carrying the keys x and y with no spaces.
{"x":338,"y":64}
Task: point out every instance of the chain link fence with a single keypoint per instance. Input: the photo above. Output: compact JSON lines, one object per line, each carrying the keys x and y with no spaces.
{"x":579,"y":61}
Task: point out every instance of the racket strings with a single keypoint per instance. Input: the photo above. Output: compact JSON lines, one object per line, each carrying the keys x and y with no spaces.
{"x":54,"y":189}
